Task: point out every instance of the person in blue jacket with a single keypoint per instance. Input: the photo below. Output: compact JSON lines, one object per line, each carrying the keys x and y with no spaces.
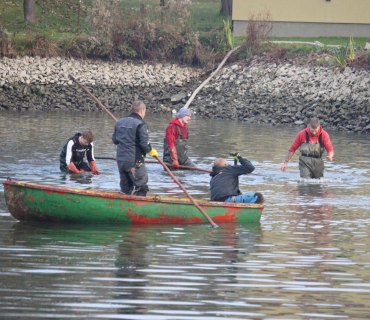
{"x":224,"y":183}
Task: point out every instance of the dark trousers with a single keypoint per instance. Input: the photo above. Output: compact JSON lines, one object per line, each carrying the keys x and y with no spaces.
{"x":133,"y":181}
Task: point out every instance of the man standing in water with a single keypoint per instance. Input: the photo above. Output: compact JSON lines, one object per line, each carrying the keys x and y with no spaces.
{"x":175,"y":143}
{"x":311,"y":142}
{"x":132,"y":140}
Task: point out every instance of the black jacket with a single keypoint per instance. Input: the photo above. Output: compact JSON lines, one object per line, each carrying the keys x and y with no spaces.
{"x":74,"y":152}
{"x":225,"y":180}
{"x":132,"y":139}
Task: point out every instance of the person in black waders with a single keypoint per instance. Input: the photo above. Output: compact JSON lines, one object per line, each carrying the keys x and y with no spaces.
{"x":74,"y":151}
{"x":131,"y":136}
{"x":311,"y":142}
{"x":175,"y":144}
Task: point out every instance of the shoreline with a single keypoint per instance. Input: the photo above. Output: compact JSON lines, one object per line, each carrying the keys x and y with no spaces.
{"x":254,"y":92}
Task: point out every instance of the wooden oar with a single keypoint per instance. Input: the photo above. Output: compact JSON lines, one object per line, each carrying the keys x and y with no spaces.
{"x":210,"y":77}
{"x":102,"y":106}
{"x":183,"y":167}
{"x":167,"y":164}
{"x":214,"y":225}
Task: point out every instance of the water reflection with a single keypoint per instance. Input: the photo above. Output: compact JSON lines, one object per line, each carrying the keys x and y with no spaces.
{"x":157,"y":256}
{"x":83,"y":178}
{"x":308,"y":258}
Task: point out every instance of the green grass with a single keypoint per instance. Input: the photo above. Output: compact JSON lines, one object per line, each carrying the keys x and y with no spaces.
{"x":11,"y":15}
{"x":53,"y":24}
{"x":62,"y":22}
{"x":59,"y":24}
{"x":205,"y":15}
{"x":128,"y":4}
{"x":342,"y":41}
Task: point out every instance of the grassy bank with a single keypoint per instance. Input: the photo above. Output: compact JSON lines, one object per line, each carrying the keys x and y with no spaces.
{"x":138,"y":29}
{"x":60,"y":19}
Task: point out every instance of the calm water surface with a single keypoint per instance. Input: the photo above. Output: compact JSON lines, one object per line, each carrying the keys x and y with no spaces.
{"x":309,"y":258}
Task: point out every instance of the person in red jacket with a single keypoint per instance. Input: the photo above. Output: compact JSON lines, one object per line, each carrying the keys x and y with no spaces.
{"x":311,"y":142}
{"x":175,"y":143}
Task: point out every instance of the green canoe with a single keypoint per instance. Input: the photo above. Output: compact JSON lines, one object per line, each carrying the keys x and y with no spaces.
{"x":30,"y":201}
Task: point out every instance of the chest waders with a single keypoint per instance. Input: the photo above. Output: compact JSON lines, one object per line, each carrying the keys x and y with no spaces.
{"x":311,"y":164}
{"x":182,"y":151}
{"x":78,"y":154}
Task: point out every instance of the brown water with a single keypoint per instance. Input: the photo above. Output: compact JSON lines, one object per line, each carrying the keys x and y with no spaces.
{"x":309,"y":258}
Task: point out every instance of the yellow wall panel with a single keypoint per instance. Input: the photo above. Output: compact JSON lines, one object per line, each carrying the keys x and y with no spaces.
{"x":333,"y":11}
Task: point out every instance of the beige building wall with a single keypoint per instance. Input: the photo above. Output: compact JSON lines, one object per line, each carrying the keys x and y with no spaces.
{"x":306,"y":17}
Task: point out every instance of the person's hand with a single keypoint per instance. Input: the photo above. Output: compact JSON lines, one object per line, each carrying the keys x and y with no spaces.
{"x":174,"y":158}
{"x":236,"y":156}
{"x":284,"y":166}
{"x":72,"y":167}
{"x":175,"y":164}
{"x":329,"y":157}
{"x":93,"y":167}
{"x":153,"y":153}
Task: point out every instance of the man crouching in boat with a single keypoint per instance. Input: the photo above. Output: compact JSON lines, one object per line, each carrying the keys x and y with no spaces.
{"x":73,"y":153}
{"x":225,"y":181}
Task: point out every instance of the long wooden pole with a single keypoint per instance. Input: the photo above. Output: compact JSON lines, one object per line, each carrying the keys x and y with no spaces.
{"x":100,"y":105}
{"x":214,"y":225}
{"x":183,"y":167}
{"x":210,"y":77}
{"x":167,"y":164}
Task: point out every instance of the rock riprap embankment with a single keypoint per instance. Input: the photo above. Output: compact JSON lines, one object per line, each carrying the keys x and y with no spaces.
{"x":255,"y":92}
{"x":288,"y":94}
{"x":44,"y":84}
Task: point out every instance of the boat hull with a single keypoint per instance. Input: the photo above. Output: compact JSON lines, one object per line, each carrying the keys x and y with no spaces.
{"x":34,"y":202}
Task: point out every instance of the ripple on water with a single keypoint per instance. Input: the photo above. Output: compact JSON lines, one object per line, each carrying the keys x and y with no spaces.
{"x":308,"y":258}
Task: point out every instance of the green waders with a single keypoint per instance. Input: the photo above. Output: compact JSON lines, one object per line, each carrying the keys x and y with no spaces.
{"x":182,"y":153}
{"x":310,"y":163}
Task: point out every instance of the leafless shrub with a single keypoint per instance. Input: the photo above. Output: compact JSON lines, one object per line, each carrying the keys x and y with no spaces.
{"x":6,"y":49}
{"x":101,"y":17}
{"x":276,"y":54}
{"x":39,"y":45}
{"x":361,"y":61}
{"x":77,"y":47}
{"x":154,"y":33}
{"x":258,"y":31}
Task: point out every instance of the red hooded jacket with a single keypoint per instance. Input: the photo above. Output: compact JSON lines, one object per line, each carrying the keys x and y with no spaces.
{"x":301,"y":138}
{"x":172,"y":132}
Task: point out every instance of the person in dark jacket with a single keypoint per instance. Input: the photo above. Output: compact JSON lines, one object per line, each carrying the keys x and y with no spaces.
{"x":225,"y":181}
{"x":74,"y":151}
{"x":132,"y":139}
{"x":175,"y":144}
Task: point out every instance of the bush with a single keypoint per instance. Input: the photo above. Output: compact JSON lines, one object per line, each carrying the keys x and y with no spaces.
{"x":257,"y":33}
{"x":6,"y":48}
{"x":161,"y":33}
